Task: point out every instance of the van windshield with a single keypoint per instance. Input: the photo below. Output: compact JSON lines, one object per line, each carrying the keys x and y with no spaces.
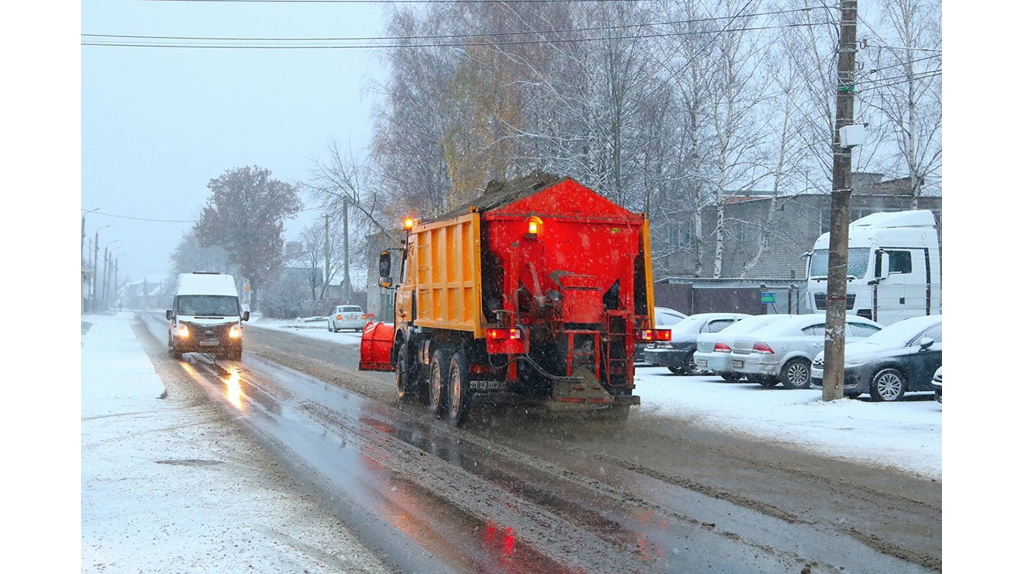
{"x":857,"y":264}
{"x":211,"y":305}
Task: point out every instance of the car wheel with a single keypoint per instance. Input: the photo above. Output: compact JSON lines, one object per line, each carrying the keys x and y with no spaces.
{"x":732,"y":377}
{"x":888,"y":385}
{"x":438,"y":384}
{"x":458,"y":389}
{"x":796,"y":374}
{"x":405,"y":377}
{"x":686,"y":370}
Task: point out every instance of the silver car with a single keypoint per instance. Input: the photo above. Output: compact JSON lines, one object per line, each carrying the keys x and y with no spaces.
{"x":346,"y":317}
{"x":783,"y":351}
{"x":714,"y":349}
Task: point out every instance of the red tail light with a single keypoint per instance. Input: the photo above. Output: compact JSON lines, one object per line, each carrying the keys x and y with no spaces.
{"x":649,"y":335}
{"x":721,"y":347}
{"x":760,"y":347}
{"x":503,"y":334}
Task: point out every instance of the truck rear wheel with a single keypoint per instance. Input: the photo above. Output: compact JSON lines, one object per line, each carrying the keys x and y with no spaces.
{"x":438,"y":390}
{"x":458,"y":389}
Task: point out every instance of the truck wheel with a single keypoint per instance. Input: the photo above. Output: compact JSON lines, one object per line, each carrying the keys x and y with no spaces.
{"x":436,"y":394}
{"x":458,"y":389}
{"x":404,"y":376}
{"x":796,"y":374}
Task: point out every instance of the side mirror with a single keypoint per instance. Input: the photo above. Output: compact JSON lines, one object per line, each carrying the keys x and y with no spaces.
{"x":926,"y":343}
{"x":245,"y":315}
{"x":169,"y":314}
{"x":384,"y":282}
{"x":385,"y":264}
{"x":883,"y":273}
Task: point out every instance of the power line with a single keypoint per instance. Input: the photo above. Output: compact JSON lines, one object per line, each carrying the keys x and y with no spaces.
{"x":444,"y":36}
{"x":146,"y":219}
{"x":438,"y":45}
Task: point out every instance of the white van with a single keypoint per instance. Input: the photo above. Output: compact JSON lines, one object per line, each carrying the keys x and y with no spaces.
{"x":893,"y":270}
{"x":206,"y":316}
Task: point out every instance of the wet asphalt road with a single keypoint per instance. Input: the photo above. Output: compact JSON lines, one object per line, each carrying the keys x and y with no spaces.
{"x":516,"y":492}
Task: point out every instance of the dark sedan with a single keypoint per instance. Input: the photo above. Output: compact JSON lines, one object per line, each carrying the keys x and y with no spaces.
{"x":677,"y":355}
{"x":900,"y":358}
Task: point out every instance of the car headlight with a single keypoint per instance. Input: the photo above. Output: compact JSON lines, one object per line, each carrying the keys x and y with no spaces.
{"x":235,"y":332}
{"x":181,"y":332}
{"x":856,"y":361}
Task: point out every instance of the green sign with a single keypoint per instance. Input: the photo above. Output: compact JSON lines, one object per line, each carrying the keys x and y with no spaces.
{"x":767,"y":297}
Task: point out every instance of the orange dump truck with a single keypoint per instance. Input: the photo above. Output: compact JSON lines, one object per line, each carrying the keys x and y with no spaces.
{"x":536,"y":294}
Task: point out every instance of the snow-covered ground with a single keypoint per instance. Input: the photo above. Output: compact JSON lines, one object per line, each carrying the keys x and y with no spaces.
{"x":166,"y":484}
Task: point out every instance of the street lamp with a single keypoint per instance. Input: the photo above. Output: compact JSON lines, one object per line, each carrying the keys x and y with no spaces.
{"x":83,"y":230}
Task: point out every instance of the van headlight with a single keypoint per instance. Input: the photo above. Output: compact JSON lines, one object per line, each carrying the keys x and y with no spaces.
{"x":181,"y":332}
{"x":235,"y":332}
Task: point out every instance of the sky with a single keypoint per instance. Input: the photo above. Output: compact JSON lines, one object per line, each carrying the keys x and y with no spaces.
{"x":157,"y":124}
{"x":131,"y":508}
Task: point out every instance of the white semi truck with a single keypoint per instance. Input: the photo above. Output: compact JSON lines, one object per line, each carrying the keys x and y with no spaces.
{"x":894,"y":267}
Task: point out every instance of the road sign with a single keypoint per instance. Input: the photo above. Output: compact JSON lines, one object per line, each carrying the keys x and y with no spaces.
{"x":767,"y":296}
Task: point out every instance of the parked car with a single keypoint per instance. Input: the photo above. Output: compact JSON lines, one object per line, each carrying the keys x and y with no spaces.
{"x":664,"y":318}
{"x":346,"y":317}
{"x":713,"y":349}
{"x":937,"y":384}
{"x":900,"y":358}
{"x":783,"y":351}
{"x":677,"y":355}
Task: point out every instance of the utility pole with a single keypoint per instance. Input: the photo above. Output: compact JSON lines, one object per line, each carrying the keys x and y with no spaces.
{"x":95,"y":270}
{"x":347,"y":293}
{"x":839,"y":229}
{"x":327,"y":255}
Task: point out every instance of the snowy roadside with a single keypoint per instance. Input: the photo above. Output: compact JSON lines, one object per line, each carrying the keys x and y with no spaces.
{"x":169,"y":485}
{"x":905,"y":435}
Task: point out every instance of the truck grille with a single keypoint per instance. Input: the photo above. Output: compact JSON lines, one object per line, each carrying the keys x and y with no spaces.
{"x":820,"y":304}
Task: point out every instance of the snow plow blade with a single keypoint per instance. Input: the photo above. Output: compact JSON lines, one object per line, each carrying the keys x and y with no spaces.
{"x":375,"y":348}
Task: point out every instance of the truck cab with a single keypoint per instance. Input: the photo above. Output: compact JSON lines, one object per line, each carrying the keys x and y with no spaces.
{"x":893,"y":269}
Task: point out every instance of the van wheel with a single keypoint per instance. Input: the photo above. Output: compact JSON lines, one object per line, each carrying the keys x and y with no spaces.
{"x":458,"y":389}
{"x":436,"y":393}
{"x":796,"y":374}
{"x":174,"y":353}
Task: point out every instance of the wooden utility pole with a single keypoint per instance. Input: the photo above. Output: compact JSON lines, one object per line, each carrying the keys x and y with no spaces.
{"x":327,"y":257}
{"x":839,"y":230}
{"x":347,"y":281}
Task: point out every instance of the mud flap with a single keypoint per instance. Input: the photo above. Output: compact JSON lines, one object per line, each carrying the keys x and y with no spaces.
{"x":584,"y":389}
{"x":375,"y":347}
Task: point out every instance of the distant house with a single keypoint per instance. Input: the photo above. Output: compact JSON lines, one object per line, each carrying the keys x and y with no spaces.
{"x":150,"y":293}
{"x":797,"y":223}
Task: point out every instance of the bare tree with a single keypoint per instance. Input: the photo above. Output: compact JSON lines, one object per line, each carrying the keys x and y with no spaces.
{"x":905,"y":87}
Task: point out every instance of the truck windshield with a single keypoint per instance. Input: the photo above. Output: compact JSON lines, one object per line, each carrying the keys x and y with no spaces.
{"x":857,"y":264}
{"x":217,"y":305}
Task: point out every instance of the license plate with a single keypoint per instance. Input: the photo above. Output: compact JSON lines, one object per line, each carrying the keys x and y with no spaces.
{"x":702,"y":363}
{"x":487,"y":385}
{"x":737,"y":364}
{"x":213,"y":343}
